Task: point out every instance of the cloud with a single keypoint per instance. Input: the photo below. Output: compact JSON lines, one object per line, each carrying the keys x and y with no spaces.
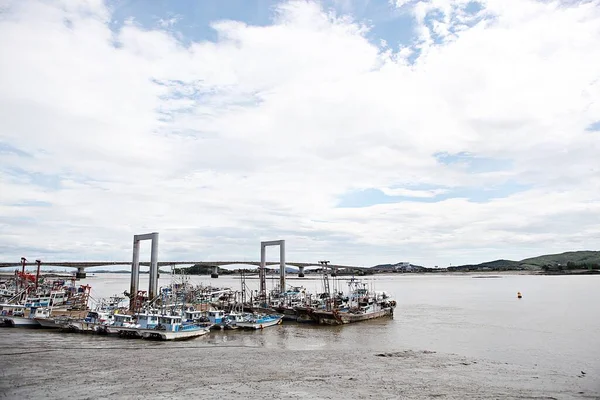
{"x":263,"y":130}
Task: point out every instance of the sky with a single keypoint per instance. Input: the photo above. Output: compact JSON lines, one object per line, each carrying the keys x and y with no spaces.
{"x":436,"y":132}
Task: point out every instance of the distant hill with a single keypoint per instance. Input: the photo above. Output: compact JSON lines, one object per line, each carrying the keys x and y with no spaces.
{"x":497,"y":265}
{"x":576,"y":257}
{"x":568,"y":260}
{"x":399,"y":267}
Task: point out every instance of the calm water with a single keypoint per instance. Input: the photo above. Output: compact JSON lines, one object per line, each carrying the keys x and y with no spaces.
{"x":555,"y":327}
{"x":556,"y":324}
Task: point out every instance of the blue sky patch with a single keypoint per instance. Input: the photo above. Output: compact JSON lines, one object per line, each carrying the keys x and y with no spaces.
{"x":6,"y":148}
{"x":44,"y":180}
{"x":371,"y":197}
{"x":593,"y":127}
{"x":191,"y":18}
{"x":474,"y":163}
{"x":366,"y":198}
{"x":33,"y":203}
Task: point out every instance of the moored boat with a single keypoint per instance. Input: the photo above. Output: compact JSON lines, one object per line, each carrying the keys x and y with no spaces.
{"x":15,"y":315}
{"x":361,"y":305}
{"x":171,"y":328}
{"x":346,"y":316}
{"x":254,"y":321}
{"x":58,"y":322}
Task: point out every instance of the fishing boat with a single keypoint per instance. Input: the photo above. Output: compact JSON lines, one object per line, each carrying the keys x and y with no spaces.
{"x":257,"y":321}
{"x":216,"y":317}
{"x":362,"y":304}
{"x":284,"y":303}
{"x":304,"y":314}
{"x":231,"y":320}
{"x":15,"y":315}
{"x":59,"y":322}
{"x":170,"y":327}
{"x":121,"y":326}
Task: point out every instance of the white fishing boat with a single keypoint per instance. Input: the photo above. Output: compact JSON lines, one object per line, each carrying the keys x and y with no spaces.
{"x":17,"y":315}
{"x":257,"y":321}
{"x":171,"y":328}
{"x":54,"y":322}
{"x":193,"y":315}
{"x":147,"y":320}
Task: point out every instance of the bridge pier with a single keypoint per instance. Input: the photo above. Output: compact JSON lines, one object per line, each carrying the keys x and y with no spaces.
{"x":300,"y":272}
{"x":334,"y":272}
{"x":262,"y":273}
{"x":215,"y":273}
{"x":80,"y":274}
{"x":135,"y":268}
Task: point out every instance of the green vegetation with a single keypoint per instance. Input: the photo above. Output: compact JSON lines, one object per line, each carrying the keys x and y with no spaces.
{"x":572,"y":258}
{"x":551,"y":262}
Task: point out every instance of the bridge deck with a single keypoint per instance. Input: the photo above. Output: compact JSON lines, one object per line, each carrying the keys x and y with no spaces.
{"x":90,"y":264}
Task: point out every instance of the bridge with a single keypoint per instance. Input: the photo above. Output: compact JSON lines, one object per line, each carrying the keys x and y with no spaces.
{"x":81,"y":265}
{"x":154,"y":265}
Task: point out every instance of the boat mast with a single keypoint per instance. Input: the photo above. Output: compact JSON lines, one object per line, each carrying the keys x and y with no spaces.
{"x":326,"y":284}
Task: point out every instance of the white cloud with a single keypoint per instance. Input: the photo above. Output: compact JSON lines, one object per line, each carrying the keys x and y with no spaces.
{"x":272,"y":125}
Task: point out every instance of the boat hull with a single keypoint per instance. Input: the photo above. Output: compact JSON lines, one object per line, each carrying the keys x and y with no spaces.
{"x":341,"y":318}
{"x":305,"y":315}
{"x":158,"y":334}
{"x":258,"y":325}
{"x":81,"y":326}
{"x":179,"y":335}
{"x":21,"y":322}
{"x":48,"y":323}
{"x":289,"y":313}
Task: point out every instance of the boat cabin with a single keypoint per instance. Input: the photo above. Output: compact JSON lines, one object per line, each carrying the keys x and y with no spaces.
{"x":123,"y":320}
{"x":96,"y":317}
{"x":58,"y":297}
{"x":234,"y":317}
{"x":37,"y":302}
{"x":192,"y":315}
{"x":171,"y":323}
{"x":216,"y":316}
{"x":39,"y":312}
{"x":147,"y":321}
{"x":14,"y":310}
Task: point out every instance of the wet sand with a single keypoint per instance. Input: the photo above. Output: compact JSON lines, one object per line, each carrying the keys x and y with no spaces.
{"x":135,"y":369}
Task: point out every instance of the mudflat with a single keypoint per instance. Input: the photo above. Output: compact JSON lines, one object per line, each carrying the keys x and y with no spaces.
{"x":143,"y":370}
